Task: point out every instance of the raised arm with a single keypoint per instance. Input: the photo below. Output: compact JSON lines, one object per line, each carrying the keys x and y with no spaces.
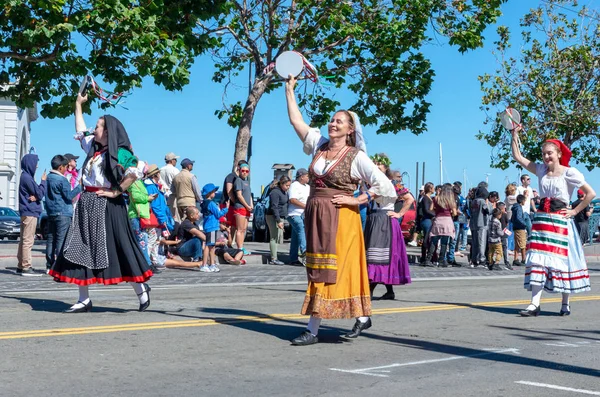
{"x":79,"y":121}
{"x":516,"y":152}
{"x":293,"y":111}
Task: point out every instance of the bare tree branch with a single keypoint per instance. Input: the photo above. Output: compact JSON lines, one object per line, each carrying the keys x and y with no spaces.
{"x":328,"y":47}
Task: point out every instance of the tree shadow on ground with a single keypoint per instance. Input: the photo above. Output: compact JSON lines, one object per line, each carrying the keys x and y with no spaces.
{"x":485,"y":355}
{"x":542,"y":335}
{"x":54,"y":306}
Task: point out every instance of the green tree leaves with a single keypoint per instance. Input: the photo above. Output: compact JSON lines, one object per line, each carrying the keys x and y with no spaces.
{"x":553,"y":83}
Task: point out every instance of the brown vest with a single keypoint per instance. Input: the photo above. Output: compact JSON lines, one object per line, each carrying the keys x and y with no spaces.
{"x":338,"y":176}
{"x":183,"y":187}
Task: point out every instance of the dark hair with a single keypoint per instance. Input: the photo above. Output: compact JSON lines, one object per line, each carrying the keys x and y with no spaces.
{"x":191,"y":210}
{"x":521,"y":199}
{"x":458,"y":183}
{"x":456,"y":189}
{"x":496,"y":212}
{"x":283,"y":180}
{"x":523,"y":177}
{"x":58,"y":160}
{"x":494,"y":194}
{"x":241,"y":162}
{"x":428,"y":187}
{"x":482,"y":184}
{"x":438,"y":187}
{"x":501,"y":204}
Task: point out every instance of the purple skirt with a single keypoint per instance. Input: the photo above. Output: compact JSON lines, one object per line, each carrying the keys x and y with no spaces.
{"x":397,"y":271}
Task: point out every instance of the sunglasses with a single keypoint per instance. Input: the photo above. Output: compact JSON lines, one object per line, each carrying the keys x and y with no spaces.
{"x":244,"y":171}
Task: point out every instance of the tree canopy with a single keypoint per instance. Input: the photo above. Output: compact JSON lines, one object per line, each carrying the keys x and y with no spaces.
{"x":372,"y":48}
{"x":552,"y":82}
{"x":47,"y":46}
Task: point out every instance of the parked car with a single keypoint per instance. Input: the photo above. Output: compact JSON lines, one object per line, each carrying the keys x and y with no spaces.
{"x":408,"y":221}
{"x":42,"y":226}
{"x":260,"y":231}
{"x":10,"y":224}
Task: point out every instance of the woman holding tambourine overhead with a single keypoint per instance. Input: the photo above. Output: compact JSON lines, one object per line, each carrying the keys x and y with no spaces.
{"x":555,"y":260}
{"x":100,"y":247}
{"x":338,"y":281}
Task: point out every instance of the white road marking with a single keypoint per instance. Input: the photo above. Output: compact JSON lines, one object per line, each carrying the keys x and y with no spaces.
{"x":556,"y":387}
{"x":377,"y":371}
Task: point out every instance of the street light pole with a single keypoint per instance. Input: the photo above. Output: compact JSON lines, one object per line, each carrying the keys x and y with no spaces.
{"x":249,"y":155}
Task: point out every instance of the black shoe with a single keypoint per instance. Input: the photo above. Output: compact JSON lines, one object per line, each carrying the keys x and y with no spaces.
{"x":144,"y":306}
{"x":508,"y":266}
{"x":495,"y":267}
{"x":28,"y":272}
{"x":388,"y":296}
{"x":155,"y":270}
{"x":358,"y":328}
{"x":530,"y":313}
{"x":428,"y":264}
{"x":565,"y":312}
{"x":86,"y":308}
{"x":454,"y":264}
{"x":517,"y":263}
{"x":443,"y":264}
{"x":305,"y":339}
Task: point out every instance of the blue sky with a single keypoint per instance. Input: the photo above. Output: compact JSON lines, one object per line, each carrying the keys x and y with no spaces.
{"x":159,"y":121}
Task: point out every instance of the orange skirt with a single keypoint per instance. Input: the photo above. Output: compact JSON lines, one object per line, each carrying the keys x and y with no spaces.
{"x":349,"y":297}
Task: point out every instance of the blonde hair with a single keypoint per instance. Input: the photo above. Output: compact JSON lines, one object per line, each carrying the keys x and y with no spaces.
{"x":446,"y":198}
{"x":511,"y":189}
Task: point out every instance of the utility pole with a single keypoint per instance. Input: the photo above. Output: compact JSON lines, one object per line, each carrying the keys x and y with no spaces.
{"x":441,"y":166}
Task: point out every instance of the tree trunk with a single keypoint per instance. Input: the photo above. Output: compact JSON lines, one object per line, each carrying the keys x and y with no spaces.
{"x":245,"y":130}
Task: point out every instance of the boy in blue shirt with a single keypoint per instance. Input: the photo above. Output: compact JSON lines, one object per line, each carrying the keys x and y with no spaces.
{"x":211,"y":214}
{"x":59,"y":207}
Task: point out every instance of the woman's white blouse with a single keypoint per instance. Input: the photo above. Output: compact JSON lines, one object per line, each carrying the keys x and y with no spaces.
{"x":560,"y":187}
{"x":362,"y":168}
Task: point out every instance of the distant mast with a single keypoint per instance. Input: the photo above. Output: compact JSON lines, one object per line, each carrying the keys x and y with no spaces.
{"x":441,"y":166}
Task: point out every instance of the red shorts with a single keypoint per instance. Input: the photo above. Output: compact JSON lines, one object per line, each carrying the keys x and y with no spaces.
{"x":242,"y":212}
{"x":230,"y":217}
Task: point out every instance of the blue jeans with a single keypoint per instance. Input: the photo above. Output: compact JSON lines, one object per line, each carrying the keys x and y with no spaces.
{"x":425,"y":227}
{"x":298,"y":242}
{"x":142,"y":238}
{"x":511,"y":238}
{"x":527,"y":218}
{"x":58,"y":225}
{"x":452,"y":244}
{"x":191,"y":248}
{"x":463,"y":236}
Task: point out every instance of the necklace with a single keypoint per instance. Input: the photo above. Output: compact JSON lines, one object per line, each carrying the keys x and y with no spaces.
{"x":329,"y":161}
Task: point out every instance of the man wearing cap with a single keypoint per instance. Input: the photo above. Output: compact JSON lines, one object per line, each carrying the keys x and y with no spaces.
{"x":167,"y":174}
{"x":185,"y":188}
{"x":298,"y":195}
{"x":582,"y":219}
{"x":71,"y":172}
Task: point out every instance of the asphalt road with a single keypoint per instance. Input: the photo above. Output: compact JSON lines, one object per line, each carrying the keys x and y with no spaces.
{"x":446,"y":336}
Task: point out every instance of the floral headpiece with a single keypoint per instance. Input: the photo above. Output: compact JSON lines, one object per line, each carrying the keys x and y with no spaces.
{"x":381,"y":158}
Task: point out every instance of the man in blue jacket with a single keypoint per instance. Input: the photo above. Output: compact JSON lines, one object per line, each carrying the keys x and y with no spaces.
{"x":30,"y":208}
{"x":59,"y":207}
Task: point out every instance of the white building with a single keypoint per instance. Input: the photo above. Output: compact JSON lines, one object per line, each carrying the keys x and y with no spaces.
{"x":15,"y":128}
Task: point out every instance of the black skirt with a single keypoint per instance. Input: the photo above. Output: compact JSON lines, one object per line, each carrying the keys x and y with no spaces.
{"x":126,"y":262}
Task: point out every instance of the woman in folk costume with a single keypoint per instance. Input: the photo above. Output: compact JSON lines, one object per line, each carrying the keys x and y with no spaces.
{"x":100,"y":247}
{"x":555,"y":260}
{"x":387,"y":261}
{"x":338,"y":282}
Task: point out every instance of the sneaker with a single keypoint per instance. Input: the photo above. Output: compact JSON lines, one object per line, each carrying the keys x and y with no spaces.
{"x":243,"y":262}
{"x":495,"y":266}
{"x":205,"y":269}
{"x":412,"y":243}
{"x":276,"y":262}
{"x":507,"y":266}
{"x":245,"y":251}
{"x":214,"y":268}
{"x":517,"y":263}
{"x":28,"y":272}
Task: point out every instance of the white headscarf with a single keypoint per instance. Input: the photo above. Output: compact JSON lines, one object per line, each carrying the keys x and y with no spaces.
{"x":360,"y":140}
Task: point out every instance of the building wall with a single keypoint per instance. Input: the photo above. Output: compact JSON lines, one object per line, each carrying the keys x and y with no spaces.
{"x":15,"y":126}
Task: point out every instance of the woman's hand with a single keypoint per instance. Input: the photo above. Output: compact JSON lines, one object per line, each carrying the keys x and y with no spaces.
{"x":340,"y":200}
{"x":152,"y":197}
{"x":107,"y":193}
{"x":290,"y":83}
{"x":280,"y":225}
{"x":568,"y":213}
{"x":393,"y":214}
{"x":81,"y":99}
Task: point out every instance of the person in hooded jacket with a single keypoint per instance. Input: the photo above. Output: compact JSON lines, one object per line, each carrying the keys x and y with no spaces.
{"x":30,"y":209}
{"x":481,"y":210}
{"x":101,"y":247}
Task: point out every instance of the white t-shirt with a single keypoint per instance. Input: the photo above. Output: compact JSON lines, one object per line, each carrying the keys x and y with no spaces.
{"x":528,"y":197}
{"x":299,"y":192}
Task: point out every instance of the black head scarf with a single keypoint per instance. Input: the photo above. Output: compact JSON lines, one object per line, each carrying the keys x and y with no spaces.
{"x":481,"y":193}
{"x":117,"y":138}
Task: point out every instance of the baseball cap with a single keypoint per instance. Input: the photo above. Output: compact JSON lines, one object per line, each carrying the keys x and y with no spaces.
{"x":422,"y":187}
{"x":170,"y":156}
{"x":301,"y":172}
{"x":209,"y":188}
{"x":185,"y":162}
{"x":71,"y":156}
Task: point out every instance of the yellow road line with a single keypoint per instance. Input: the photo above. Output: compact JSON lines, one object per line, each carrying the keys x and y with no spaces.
{"x":244,"y":319}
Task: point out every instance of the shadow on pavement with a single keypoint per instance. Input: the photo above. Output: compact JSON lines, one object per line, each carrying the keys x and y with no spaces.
{"x":559,"y":335}
{"x":54,"y":306}
{"x":481,"y":354}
